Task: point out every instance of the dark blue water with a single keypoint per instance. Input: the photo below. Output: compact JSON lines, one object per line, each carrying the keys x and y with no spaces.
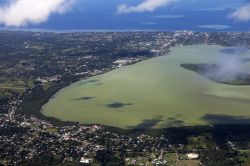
{"x":197,"y":15}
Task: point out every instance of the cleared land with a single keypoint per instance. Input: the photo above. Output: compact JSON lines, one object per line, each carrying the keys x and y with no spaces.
{"x":10,"y":86}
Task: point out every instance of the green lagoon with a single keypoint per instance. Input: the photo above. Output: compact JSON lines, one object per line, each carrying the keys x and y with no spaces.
{"x":155,"y":93}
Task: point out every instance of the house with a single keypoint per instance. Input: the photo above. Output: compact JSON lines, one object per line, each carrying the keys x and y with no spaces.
{"x":86,"y":161}
{"x":192,"y":156}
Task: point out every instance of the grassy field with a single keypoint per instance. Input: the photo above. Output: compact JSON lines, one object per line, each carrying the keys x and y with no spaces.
{"x":14,"y":85}
{"x":245,"y":157}
{"x":188,"y":163}
{"x":155,"y":93}
{"x":51,"y":130}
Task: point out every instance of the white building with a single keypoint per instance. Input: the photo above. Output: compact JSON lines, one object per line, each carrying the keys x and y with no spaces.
{"x":86,"y":161}
{"x":192,"y":156}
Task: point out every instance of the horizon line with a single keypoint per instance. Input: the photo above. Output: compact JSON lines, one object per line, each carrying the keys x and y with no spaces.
{"x":111,"y":30}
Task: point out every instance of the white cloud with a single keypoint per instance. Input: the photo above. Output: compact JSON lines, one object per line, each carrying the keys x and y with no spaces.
{"x":168,"y":16}
{"x":22,"y":12}
{"x":216,"y":27}
{"x":210,"y":9}
{"x":145,"y":6}
{"x":242,"y":13}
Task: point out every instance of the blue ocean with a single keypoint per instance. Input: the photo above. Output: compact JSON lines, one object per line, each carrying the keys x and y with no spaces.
{"x":101,"y":15}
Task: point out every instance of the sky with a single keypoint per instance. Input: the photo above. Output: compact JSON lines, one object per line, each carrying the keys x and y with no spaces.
{"x":108,"y":15}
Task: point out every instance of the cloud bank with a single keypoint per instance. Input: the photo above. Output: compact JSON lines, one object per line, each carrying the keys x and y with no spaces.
{"x":242,"y":13}
{"x":145,"y":6}
{"x":19,"y":13}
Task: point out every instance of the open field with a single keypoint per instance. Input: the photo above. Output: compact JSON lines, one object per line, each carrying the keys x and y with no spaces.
{"x":155,"y":93}
{"x":188,"y":163}
{"x":14,"y":85}
{"x":51,"y":130}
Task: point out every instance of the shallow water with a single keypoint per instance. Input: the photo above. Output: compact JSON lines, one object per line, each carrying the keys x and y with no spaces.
{"x":155,"y":93}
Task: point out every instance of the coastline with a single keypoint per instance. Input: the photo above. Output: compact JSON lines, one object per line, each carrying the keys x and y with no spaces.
{"x":37,"y":111}
{"x":82,"y":120}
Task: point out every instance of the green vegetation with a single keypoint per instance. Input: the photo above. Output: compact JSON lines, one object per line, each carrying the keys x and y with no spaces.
{"x":32,"y":102}
{"x":143,"y":101}
{"x":51,"y":130}
{"x":188,"y":163}
{"x":107,"y":157}
{"x":245,"y":157}
{"x":48,"y":159}
{"x":39,"y":96}
{"x":220,"y":157}
{"x":11,"y":87}
{"x":155,"y":93}
{"x":3,"y":97}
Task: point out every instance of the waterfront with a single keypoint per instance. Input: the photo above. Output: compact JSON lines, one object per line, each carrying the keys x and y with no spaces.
{"x":154,"y":93}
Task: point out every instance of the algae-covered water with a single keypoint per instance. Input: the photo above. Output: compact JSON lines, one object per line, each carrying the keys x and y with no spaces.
{"x":155,"y":93}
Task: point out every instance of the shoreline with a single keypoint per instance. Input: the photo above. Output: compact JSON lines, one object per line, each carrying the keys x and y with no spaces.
{"x":38,"y":112}
{"x":59,"y":123}
{"x":222,"y":123}
{"x":66,"y":82}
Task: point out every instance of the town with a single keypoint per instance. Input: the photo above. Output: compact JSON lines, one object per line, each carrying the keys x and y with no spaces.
{"x":35,"y":65}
